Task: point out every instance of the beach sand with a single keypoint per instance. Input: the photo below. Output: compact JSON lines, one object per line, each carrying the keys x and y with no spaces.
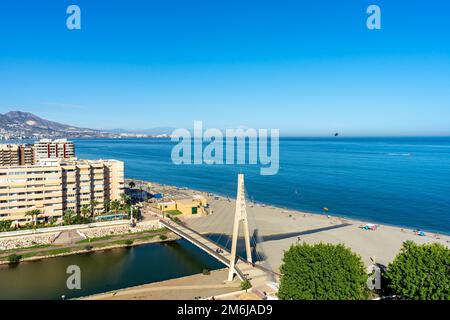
{"x":280,"y":228}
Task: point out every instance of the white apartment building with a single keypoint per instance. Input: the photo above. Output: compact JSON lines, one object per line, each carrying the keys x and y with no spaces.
{"x":54,"y":186}
{"x":54,"y":149}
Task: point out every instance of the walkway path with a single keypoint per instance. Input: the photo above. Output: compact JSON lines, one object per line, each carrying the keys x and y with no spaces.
{"x":67,"y":237}
{"x":186,"y":288}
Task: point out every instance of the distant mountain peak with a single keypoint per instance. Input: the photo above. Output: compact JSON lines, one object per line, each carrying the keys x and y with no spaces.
{"x":21,"y":124}
{"x":26,"y":124}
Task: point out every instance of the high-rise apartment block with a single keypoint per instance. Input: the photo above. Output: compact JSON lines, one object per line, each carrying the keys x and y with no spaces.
{"x":16,"y":155}
{"x":54,"y":186}
{"x":28,"y":154}
{"x":54,"y":149}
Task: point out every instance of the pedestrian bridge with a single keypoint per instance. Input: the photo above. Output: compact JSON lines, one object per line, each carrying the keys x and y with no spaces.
{"x":243,"y":269}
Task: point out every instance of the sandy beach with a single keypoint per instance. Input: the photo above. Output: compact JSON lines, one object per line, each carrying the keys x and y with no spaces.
{"x":280,"y":228}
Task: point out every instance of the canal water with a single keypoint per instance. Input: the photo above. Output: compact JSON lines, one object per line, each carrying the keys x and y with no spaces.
{"x":104,"y":271}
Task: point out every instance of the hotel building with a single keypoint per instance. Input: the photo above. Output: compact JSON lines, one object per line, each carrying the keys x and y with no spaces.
{"x":54,"y":186}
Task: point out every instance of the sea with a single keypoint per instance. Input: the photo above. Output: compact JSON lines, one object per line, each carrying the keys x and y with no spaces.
{"x":401,"y":181}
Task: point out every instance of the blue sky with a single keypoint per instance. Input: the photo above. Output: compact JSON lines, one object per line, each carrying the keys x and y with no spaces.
{"x":305,"y":67}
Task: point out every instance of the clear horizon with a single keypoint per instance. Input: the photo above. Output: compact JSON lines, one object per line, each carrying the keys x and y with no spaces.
{"x":308,"y":69}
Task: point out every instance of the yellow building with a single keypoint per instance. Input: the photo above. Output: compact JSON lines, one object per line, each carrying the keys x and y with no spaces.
{"x":187,"y":206}
{"x":54,"y":186}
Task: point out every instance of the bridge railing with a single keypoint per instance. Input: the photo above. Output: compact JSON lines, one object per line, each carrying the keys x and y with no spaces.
{"x":209,"y":250}
{"x":185,"y":235}
{"x":239,"y":258}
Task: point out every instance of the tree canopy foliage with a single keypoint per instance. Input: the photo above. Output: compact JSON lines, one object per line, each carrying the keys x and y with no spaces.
{"x":322,"y":272}
{"x":420,"y":272}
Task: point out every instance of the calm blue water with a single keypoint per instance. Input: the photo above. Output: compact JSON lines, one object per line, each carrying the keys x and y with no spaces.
{"x":104,"y":271}
{"x":398,"y":181}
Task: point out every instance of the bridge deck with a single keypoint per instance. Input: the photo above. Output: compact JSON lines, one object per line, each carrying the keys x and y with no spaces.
{"x":244,"y":270}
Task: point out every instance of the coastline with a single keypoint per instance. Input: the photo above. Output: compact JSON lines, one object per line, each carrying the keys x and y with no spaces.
{"x":279,"y":228}
{"x":289,"y":208}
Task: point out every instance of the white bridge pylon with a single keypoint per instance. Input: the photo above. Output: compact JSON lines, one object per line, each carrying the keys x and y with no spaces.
{"x":239,"y":216}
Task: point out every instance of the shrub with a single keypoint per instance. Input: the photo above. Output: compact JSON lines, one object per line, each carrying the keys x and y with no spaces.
{"x":175,"y":219}
{"x":163,"y":237}
{"x":245,"y":285}
{"x":420,"y":272}
{"x":14,"y":258}
{"x":322,"y":272}
{"x":5,"y":225}
{"x":128,"y":242}
{"x":206,"y":272}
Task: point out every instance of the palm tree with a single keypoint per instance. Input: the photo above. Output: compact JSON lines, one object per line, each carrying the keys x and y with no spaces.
{"x":115,"y":206}
{"x":107,"y":205}
{"x":34,"y":214}
{"x":94,"y":203}
{"x":132,"y":185}
{"x":85,"y":210}
{"x":68,"y":216}
{"x":125,"y":198}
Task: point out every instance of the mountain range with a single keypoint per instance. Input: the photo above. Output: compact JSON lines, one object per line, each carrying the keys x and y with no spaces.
{"x":25,"y":125}
{"x":19,"y":124}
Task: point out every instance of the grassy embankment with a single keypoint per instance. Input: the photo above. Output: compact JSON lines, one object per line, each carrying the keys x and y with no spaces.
{"x":86,"y":245}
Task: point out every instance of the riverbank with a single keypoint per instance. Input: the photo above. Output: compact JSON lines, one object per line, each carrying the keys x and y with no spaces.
{"x":89,"y":245}
{"x":198,"y":286}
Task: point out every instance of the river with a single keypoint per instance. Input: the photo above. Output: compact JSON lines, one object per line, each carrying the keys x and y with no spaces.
{"x":104,"y":271}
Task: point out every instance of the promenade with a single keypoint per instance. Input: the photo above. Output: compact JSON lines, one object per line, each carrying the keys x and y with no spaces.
{"x":197,"y":286}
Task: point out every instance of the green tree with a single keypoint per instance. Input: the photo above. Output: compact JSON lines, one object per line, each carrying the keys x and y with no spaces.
{"x":126,"y":199}
{"x":69,"y":217}
{"x":115,"y":206}
{"x":14,"y":258}
{"x":420,"y":272}
{"x":107,"y":204}
{"x":85,"y":210}
{"x":93,"y":205}
{"x":132,"y":185}
{"x":322,"y":272}
{"x":34,"y":214}
{"x":5,"y":225}
{"x":245,"y":285}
